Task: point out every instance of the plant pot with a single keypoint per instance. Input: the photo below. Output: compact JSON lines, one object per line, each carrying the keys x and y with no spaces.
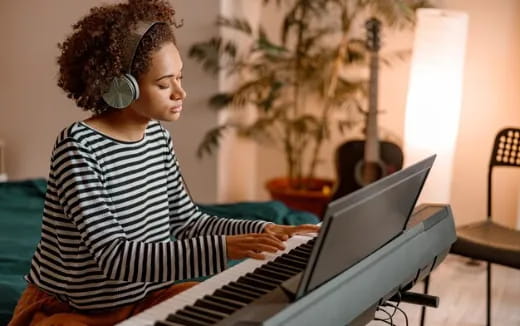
{"x":313,"y":197}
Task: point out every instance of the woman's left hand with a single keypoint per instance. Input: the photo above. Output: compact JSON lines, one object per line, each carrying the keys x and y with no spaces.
{"x":284,"y":232}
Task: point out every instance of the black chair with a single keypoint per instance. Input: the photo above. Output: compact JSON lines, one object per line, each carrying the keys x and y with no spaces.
{"x":487,"y":240}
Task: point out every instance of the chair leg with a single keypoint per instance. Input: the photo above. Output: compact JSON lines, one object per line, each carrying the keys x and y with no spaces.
{"x":488,"y":293}
{"x":423,"y":308}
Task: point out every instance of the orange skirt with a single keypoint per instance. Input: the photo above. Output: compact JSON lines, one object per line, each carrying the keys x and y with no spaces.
{"x":37,"y":308}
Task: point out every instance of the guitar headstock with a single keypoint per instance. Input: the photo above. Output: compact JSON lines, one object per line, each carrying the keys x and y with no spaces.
{"x":373,"y":27}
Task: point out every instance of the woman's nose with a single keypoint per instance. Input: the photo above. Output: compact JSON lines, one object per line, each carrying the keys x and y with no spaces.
{"x":178,"y":93}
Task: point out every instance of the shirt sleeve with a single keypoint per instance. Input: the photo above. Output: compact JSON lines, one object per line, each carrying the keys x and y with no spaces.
{"x":187,"y":220}
{"x":85,"y":202}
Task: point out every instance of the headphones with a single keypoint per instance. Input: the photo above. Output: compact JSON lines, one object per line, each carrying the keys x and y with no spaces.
{"x":124,"y":89}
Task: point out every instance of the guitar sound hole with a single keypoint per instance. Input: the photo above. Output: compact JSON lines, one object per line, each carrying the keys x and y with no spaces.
{"x":368,"y":172}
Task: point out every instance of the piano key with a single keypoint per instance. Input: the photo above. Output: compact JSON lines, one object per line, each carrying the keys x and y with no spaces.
{"x":284,"y":267}
{"x":291,"y":262}
{"x":215,"y":306}
{"x":166,"y":323}
{"x":299,"y":259}
{"x":235,"y":287}
{"x":265,"y":279}
{"x":185,"y":320}
{"x":225,"y":301}
{"x":197,"y":316}
{"x":301,"y":253}
{"x":215,"y":314}
{"x":260,"y":292}
{"x":255,"y":281}
{"x":275,"y":268}
{"x":271,"y":274}
{"x":190,"y":296}
{"x":233,"y":296}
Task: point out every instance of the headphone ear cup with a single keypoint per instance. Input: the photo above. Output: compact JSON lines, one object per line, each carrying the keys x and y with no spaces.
{"x":134,"y":83}
{"x":122,"y":92}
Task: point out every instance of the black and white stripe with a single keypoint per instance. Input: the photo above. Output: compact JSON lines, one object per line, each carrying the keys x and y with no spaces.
{"x":111,"y":211}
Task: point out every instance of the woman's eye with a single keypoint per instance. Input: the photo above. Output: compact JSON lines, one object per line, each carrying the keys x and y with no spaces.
{"x":163,"y":86}
{"x":180,"y":77}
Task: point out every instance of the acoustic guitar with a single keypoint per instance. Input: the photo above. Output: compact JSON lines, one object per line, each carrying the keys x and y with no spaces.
{"x":361,"y":162}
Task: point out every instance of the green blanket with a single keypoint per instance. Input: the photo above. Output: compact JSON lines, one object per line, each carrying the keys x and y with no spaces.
{"x":21,"y":205}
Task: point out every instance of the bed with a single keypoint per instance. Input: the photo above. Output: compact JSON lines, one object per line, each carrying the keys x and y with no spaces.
{"x":21,"y":205}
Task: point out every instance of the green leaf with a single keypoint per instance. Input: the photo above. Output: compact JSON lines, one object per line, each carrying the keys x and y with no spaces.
{"x":220,"y":100}
{"x":209,"y":53}
{"x":211,"y":140}
{"x":237,"y":24}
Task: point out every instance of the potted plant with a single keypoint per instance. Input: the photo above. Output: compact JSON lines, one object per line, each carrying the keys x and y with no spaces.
{"x":320,"y":42}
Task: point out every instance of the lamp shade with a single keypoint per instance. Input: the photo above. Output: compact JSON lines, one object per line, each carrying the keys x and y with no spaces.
{"x":435,"y":96}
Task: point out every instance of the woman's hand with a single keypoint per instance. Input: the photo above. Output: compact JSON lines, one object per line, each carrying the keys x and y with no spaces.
{"x":284,"y":232}
{"x":252,"y":245}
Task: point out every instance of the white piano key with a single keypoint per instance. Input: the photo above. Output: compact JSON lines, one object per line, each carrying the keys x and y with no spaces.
{"x":188,"y":297}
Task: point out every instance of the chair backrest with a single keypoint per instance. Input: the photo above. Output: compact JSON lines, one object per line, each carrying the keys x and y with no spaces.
{"x":506,"y":152}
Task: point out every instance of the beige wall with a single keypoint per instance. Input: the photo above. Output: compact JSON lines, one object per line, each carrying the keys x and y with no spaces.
{"x":491,"y":100}
{"x":33,"y":109}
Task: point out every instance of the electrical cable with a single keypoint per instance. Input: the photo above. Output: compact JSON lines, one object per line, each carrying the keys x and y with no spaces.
{"x":401,"y":310}
{"x":390,"y":316}
{"x":395,"y":307}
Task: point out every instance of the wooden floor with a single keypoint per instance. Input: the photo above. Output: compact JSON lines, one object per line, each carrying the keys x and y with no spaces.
{"x":462,"y":291}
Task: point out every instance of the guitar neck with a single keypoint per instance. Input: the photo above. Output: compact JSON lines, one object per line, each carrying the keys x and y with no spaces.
{"x":372,"y":139}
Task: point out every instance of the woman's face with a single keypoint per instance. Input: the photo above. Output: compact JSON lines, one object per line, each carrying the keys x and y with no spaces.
{"x":161,"y":93}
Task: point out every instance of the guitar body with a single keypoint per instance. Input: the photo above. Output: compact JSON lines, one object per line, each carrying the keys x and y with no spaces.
{"x":359,"y":163}
{"x":350,"y":159}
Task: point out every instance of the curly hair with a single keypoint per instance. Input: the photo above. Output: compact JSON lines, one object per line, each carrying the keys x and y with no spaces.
{"x":94,"y":54}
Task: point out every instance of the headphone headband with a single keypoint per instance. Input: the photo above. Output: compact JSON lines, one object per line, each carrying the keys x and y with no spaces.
{"x":124,"y":89}
{"x":133,"y":41}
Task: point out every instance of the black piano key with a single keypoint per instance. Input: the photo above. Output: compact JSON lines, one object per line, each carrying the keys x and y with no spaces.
{"x":228,"y":302}
{"x":185,"y":320}
{"x":240,"y":291}
{"x":238,"y":294}
{"x":298,"y":259}
{"x":271,"y":274}
{"x":264,"y":279}
{"x":232,"y":295}
{"x":290,"y":262}
{"x":256,"y":282}
{"x":284,"y":267}
{"x":214,"y":306}
{"x":300,"y":253}
{"x":280,"y":269}
{"x":306,"y":246}
{"x":197,"y":316}
{"x":166,"y":323}
{"x":214,"y":314}
{"x":256,"y":290}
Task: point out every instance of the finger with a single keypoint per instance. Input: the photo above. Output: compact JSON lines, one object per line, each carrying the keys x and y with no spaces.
{"x":306,"y":228}
{"x":281,"y":236}
{"x":268,"y":238}
{"x":255,"y":255}
{"x":272,"y":241}
{"x":265,"y":247}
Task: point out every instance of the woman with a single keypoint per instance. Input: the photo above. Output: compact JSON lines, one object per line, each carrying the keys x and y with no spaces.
{"x":119,"y":229}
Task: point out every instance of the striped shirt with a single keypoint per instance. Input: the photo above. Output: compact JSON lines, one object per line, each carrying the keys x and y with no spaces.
{"x":118,"y":223}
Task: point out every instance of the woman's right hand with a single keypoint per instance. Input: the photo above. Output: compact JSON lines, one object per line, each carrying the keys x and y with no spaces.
{"x":252,"y":245}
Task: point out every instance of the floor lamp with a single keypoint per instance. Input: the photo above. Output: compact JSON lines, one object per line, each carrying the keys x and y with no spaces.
{"x":435,"y":96}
